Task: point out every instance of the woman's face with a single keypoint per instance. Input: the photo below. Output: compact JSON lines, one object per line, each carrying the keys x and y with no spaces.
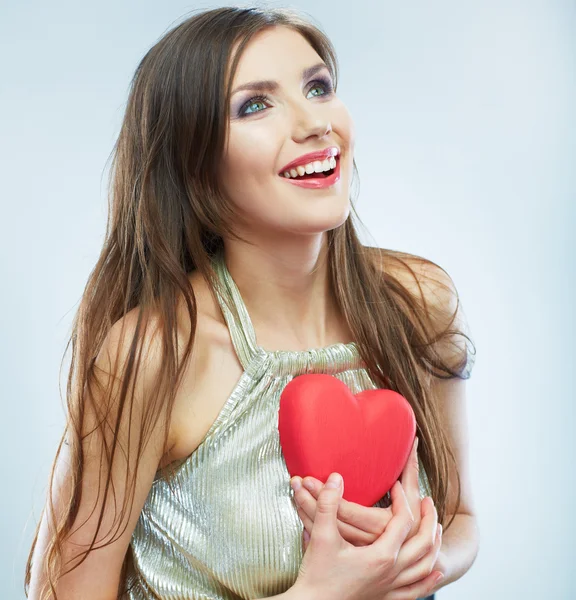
{"x":301,"y":115}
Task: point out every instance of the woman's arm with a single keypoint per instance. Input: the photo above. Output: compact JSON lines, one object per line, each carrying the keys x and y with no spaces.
{"x":461,"y":541}
{"x":98,"y":577}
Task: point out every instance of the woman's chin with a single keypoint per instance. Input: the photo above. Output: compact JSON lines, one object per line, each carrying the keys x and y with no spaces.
{"x":319,"y":221}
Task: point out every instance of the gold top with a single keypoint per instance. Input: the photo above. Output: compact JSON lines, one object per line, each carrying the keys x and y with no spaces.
{"x":227,"y":527}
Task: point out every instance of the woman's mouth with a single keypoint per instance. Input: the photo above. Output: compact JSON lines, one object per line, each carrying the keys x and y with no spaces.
{"x":315,"y":180}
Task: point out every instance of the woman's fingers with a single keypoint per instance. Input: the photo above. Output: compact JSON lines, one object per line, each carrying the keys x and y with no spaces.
{"x":306,"y":520}
{"x":365,"y":523}
{"x":324,"y":530}
{"x":422,"y":543}
{"x":420,"y":589}
{"x":388,"y":545}
{"x":306,"y":505}
{"x":411,"y":486}
{"x":422,"y":567}
{"x":351,"y":534}
{"x":416,"y":560}
{"x":361,"y":525}
{"x":305,"y":540}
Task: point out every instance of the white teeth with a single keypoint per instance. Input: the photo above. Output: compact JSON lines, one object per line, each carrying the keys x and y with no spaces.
{"x":316,"y":166}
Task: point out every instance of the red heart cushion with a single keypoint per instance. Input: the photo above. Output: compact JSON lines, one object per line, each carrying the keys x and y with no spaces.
{"x":366,"y":437}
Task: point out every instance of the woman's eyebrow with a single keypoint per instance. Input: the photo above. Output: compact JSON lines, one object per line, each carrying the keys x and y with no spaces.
{"x":271,"y":86}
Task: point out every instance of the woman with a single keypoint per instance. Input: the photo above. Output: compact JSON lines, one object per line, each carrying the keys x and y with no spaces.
{"x":232,"y":265}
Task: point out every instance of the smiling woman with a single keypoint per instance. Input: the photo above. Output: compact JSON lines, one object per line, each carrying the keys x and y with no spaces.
{"x":295,"y":120}
{"x":232,"y":266}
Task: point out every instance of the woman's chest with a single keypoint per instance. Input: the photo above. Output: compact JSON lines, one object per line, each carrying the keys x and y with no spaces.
{"x":228,"y":517}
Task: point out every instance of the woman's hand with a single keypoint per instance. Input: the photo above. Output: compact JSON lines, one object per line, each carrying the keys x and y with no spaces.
{"x":333,"y":568}
{"x":361,"y":525}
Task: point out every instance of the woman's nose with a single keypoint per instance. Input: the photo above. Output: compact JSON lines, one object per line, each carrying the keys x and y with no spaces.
{"x":314,"y":125}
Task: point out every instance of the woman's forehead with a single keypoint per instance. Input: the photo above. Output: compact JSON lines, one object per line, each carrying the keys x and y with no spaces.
{"x":272,"y":53}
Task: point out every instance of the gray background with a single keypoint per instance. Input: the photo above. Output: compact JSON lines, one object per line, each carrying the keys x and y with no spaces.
{"x":466,"y":150}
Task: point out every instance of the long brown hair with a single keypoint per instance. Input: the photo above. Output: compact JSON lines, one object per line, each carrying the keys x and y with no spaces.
{"x":168,"y":217}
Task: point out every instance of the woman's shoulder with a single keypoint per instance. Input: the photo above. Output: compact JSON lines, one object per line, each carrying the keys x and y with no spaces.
{"x":435,"y":294}
{"x":211,"y":346}
{"x":209,"y":375}
{"x":211,"y":328}
{"x":424,"y":278}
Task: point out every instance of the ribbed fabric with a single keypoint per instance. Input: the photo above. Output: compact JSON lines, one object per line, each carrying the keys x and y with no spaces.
{"x":227,"y":526}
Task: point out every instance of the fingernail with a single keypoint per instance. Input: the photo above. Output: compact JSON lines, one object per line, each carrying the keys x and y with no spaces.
{"x":308,"y":485}
{"x":438,"y":578}
{"x":295,"y":483}
{"x":333,"y":481}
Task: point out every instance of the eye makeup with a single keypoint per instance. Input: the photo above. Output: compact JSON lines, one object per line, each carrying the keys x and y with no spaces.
{"x":324,"y":82}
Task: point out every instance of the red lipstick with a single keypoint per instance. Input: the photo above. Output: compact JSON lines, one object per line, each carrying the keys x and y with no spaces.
{"x":311,"y":156}
{"x":319,"y":182}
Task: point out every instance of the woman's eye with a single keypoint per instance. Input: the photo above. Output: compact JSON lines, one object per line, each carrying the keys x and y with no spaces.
{"x":251,"y":102}
{"x":325,"y":85}
{"x":244,"y":111}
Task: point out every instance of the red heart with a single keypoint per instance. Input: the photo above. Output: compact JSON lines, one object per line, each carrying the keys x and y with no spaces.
{"x":366,"y":437}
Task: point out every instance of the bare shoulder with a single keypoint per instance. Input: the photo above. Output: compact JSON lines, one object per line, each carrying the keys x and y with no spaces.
{"x":427,"y":281}
{"x":210,"y":326}
{"x":210,"y":375}
{"x":210,"y":371}
{"x":435,"y":294}
{"x":418,"y":273}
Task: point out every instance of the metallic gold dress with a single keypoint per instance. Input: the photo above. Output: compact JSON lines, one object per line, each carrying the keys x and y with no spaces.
{"x":227,"y":527}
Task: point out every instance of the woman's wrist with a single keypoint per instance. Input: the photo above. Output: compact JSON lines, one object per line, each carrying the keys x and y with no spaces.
{"x":291,"y":594}
{"x":298,"y":592}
